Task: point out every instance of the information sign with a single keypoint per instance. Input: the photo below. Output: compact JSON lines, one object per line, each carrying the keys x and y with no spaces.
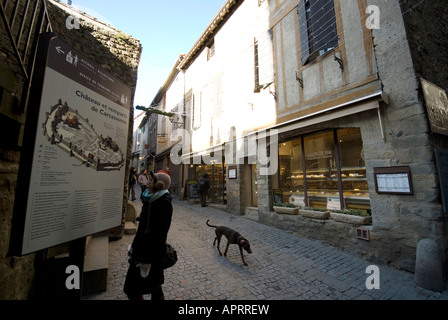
{"x":72,"y":171}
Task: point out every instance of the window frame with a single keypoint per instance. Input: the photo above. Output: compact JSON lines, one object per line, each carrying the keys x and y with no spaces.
{"x":337,"y":134}
{"x":314,"y":40}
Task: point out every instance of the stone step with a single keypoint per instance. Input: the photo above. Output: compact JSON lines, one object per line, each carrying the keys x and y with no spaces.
{"x":96,"y":264}
{"x":130,"y":228}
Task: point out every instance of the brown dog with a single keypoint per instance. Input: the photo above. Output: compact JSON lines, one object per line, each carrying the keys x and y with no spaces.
{"x":233,"y":237}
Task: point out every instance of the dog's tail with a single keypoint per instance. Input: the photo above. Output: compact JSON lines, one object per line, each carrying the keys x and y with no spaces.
{"x":210,"y":224}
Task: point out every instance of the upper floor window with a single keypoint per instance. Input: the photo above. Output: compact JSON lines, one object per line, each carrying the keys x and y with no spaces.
{"x":318,"y":32}
{"x":211,"y":50}
{"x":263,"y":60}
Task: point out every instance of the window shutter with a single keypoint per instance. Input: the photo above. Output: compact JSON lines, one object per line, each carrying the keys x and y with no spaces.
{"x":197,"y":105}
{"x":265,"y":58}
{"x":303,"y":24}
{"x":323,"y":25}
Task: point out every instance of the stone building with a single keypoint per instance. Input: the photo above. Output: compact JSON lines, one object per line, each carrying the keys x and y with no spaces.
{"x":138,"y":143}
{"x":22,"y":21}
{"x":330,"y":93}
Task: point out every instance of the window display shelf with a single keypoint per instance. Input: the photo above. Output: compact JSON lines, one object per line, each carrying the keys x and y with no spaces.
{"x":348,"y":174}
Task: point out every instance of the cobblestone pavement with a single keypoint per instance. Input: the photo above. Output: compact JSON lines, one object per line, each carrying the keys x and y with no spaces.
{"x":282,"y":266}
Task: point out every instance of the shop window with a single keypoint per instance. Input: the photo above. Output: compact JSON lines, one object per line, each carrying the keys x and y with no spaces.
{"x":318,"y":32}
{"x":321,"y":170}
{"x":291,"y":170}
{"x":217,"y":177}
{"x":353,"y":169}
{"x":327,"y":166}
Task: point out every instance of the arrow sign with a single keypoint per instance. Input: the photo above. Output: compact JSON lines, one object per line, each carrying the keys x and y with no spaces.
{"x":58,"y":49}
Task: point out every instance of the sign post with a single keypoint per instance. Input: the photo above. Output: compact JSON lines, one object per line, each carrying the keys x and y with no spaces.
{"x":72,"y":170}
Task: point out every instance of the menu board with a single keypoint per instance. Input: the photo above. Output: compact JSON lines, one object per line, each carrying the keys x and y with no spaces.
{"x":393,"y":180}
{"x":193,"y":189}
{"x":73,"y":177}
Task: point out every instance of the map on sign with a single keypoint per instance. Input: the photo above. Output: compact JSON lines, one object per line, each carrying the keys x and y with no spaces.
{"x":70,"y":131}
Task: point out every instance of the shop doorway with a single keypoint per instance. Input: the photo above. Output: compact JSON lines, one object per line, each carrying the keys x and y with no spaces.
{"x":254,"y":184}
{"x":217,"y":176}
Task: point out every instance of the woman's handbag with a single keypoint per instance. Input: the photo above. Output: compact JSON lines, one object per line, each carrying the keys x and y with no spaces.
{"x":170,"y":257}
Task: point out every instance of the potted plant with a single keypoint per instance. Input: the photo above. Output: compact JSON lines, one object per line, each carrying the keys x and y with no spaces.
{"x":314,"y":213}
{"x":351,"y":216}
{"x":286,"y":207}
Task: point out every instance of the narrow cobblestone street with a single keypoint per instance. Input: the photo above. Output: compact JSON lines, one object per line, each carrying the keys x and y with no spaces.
{"x":282,"y":266}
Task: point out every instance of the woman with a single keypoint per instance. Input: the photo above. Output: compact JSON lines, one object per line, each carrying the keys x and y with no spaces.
{"x":143,"y":181}
{"x":145,"y":273}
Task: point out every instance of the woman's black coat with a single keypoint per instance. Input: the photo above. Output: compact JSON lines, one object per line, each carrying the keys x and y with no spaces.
{"x":149,"y":246}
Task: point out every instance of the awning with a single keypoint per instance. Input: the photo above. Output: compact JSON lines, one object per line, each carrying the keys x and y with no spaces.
{"x":362,"y":104}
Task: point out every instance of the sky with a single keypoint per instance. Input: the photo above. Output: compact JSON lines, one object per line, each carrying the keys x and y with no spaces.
{"x":165,"y":29}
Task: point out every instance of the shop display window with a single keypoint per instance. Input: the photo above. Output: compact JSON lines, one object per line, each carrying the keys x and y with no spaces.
{"x":321,"y":171}
{"x":315,"y":169}
{"x":291,"y":170}
{"x":353,"y":169}
{"x":216,"y":175}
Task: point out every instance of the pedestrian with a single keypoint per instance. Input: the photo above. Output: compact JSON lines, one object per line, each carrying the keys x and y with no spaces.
{"x":204,"y":186}
{"x":145,"y":274}
{"x":132,"y":182}
{"x":142,"y":181}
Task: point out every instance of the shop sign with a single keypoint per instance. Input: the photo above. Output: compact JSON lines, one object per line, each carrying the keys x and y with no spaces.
{"x":437,"y":107}
{"x":333,"y":203}
{"x":321,"y":154}
{"x":297,"y":200}
{"x":161,"y":140}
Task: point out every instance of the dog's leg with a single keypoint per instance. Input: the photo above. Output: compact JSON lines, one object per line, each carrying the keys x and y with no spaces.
{"x":227,"y":248}
{"x":242,"y":256}
{"x":219,"y":242}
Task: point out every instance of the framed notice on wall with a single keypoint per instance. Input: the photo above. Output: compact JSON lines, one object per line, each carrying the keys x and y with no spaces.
{"x":72,"y":170}
{"x":232,"y":172}
{"x":393,"y":180}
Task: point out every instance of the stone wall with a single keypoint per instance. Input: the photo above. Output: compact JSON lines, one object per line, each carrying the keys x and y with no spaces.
{"x":427,"y":29}
{"x":114,"y":51}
